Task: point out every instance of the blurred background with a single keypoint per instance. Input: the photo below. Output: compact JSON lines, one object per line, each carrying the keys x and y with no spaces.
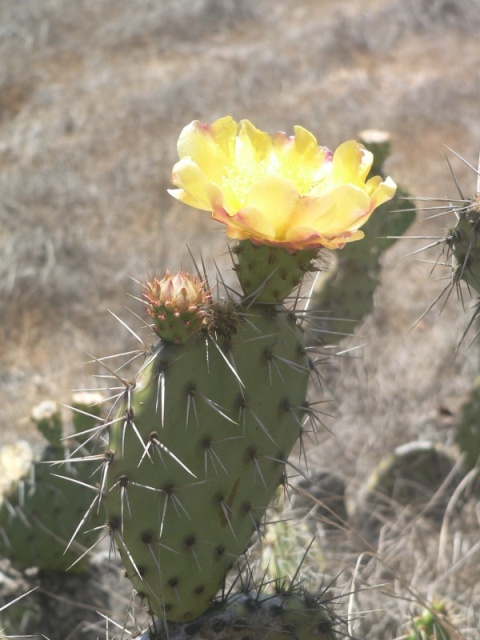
{"x":93,"y":96}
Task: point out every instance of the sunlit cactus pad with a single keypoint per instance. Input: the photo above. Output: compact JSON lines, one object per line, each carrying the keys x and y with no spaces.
{"x":197,"y":450}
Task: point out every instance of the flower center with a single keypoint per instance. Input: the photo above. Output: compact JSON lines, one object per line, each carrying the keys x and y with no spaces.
{"x":237,"y":182}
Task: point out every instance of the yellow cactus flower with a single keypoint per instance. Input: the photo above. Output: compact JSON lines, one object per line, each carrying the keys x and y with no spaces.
{"x":279,"y":190}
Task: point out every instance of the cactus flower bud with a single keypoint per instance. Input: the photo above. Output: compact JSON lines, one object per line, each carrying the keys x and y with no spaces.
{"x":176,"y":303}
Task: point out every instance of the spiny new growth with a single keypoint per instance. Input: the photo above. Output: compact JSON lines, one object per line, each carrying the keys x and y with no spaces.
{"x":257,"y":615}
{"x":41,"y":511}
{"x":431,"y":624}
{"x":175,"y":303}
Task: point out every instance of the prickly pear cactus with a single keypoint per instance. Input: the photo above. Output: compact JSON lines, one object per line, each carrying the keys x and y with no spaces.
{"x":258,"y":616}
{"x":40,"y":512}
{"x":197,"y":450}
{"x":198,"y":440}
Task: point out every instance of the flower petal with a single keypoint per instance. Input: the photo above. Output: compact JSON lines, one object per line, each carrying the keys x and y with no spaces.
{"x":277,"y":199}
{"x":210,"y":146}
{"x":351,"y":163}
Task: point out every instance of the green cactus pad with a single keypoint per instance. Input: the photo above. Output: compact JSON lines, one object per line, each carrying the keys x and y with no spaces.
{"x":467,"y":432}
{"x":257,"y":616}
{"x":269,"y":274}
{"x":196,"y":452}
{"x":40,"y":511}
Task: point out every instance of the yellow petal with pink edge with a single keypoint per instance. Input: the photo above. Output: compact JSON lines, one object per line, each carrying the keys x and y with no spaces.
{"x":338,"y":210}
{"x":277,"y":199}
{"x":247,"y":223}
{"x":201,"y":193}
{"x":351,"y":163}
{"x":308,"y":238}
{"x":300,"y":159}
{"x":210,"y":146}
{"x":380,"y":191}
{"x":252,"y":145}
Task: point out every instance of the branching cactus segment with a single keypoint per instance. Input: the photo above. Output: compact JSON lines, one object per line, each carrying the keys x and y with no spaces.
{"x":346,"y":292}
{"x":41,"y":511}
{"x":268,"y":275}
{"x":201,"y":448}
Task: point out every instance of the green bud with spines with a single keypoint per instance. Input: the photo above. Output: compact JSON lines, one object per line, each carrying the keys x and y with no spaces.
{"x":431,"y":624}
{"x":176,"y":303}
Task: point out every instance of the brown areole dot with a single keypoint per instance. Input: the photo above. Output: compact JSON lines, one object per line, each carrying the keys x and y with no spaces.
{"x":189,"y":540}
{"x":146,"y":537}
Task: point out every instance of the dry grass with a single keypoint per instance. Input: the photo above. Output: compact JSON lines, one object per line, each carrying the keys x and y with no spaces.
{"x":92,"y":98}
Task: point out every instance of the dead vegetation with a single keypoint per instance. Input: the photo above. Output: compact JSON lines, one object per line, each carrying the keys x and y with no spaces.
{"x":92,"y":99}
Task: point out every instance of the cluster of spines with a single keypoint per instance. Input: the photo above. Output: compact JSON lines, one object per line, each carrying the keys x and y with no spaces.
{"x":460,"y":247}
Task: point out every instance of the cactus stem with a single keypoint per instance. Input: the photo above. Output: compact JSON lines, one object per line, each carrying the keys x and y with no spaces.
{"x":108,"y":458}
{"x":119,"y":540}
{"x":257,"y":469}
{"x":210,"y":454}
